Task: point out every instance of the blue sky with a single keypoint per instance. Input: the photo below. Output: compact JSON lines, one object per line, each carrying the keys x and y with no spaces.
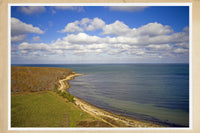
{"x":99,"y":34}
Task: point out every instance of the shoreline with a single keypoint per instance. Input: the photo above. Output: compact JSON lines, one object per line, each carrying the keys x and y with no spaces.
{"x":110,"y":118}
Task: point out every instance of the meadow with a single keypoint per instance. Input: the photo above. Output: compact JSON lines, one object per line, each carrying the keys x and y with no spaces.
{"x":36,"y":103}
{"x":48,"y":109}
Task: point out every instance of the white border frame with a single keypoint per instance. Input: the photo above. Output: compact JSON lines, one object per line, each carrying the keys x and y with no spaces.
{"x":100,"y":4}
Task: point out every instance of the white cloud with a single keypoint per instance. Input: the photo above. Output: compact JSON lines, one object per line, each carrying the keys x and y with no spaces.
{"x":18,"y":38}
{"x":97,"y":46}
{"x":82,"y":38}
{"x":159,"y":39}
{"x":184,"y":45}
{"x":13,"y":49}
{"x":128,"y":8}
{"x":32,"y":47}
{"x":180,"y":50}
{"x":88,"y":51}
{"x":186,"y":29}
{"x":19,"y":30}
{"x":95,"y":24}
{"x":18,"y":27}
{"x":83,"y":43}
{"x":36,"y":38}
{"x":77,"y":8}
{"x":140,"y":53}
{"x":24,"y":52}
{"x":84,"y":24}
{"x":159,"y":47}
{"x":35,"y":53}
{"x":32,"y":9}
{"x":179,"y":37}
{"x":116,"y":28}
{"x":118,"y":39}
{"x":153,"y":29}
{"x":72,"y":27}
{"x":84,"y":21}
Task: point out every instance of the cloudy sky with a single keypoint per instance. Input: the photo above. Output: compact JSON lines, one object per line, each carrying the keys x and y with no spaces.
{"x":99,"y":34}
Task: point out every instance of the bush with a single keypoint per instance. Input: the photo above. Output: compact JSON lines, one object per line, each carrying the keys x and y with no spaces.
{"x":68,"y":96}
{"x":58,"y":91}
{"x":71,"y":98}
{"x":64,"y":94}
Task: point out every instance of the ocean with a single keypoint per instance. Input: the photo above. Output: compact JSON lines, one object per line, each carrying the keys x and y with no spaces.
{"x":158,"y":93}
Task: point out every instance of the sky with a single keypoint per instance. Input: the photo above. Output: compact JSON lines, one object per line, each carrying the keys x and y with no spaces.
{"x":99,"y":34}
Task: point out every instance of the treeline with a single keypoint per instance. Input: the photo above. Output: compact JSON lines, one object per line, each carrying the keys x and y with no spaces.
{"x":32,"y":79}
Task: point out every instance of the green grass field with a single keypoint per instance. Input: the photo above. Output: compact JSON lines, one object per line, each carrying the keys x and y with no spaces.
{"x":35,"y":104}
{"x":47,"y":109}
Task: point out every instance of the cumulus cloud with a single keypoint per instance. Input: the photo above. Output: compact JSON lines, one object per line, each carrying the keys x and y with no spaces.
{"x":72,"y":27}
{"x":84,"y":24}
{"x":32,"y":9}
{"x":115,"y":39}
{"x":32,"y":47}
{"x":152,"y":29}
{"x":98,"y":46}
{"x":117,"y":28}
{"x":18,"y":38}
{"x":82,"y":38}
{"x":84,"y":21}
{"x":19,"y":30}
{"x":95,"y":24}
{"x":18,"y":27}
{"x":128,"y":8}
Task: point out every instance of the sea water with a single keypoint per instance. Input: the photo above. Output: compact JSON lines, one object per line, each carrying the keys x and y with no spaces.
{"x":149,"y":92}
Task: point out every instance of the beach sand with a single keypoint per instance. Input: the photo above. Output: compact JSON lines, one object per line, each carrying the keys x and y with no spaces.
{"x":109,"y":118}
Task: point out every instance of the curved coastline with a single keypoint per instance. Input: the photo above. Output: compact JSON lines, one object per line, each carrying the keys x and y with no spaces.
{"x":110,"y":118}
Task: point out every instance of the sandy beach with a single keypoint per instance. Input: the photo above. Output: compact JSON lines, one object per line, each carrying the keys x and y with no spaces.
{"x":110,"y":118}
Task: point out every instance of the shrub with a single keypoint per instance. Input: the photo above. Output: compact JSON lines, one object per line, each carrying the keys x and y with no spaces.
{"x":68,"y":96}
{"x":58,"y":91}
{"x":71,"y":98}
{"x":64,"y":94}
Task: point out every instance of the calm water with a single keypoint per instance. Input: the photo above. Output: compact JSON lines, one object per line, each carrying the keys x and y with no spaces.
{"x":150,"y":92}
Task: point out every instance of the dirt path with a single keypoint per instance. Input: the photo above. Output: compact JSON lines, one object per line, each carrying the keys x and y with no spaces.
{"x":65,"y":85}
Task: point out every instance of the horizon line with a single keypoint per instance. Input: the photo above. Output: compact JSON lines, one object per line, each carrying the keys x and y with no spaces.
{"x":88,"y":63}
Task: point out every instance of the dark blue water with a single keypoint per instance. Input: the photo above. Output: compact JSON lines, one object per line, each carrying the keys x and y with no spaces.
{"x":150,"y":92}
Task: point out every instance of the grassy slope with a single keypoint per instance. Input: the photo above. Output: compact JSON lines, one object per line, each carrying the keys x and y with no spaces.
{"x":33,"y":106}
{"x":47,"y":109}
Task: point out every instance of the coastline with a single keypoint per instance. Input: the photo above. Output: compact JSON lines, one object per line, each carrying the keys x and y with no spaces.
{"x":109,"y":118}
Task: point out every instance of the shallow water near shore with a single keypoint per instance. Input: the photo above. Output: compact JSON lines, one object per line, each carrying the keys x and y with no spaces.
{"x":152,"y":92}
